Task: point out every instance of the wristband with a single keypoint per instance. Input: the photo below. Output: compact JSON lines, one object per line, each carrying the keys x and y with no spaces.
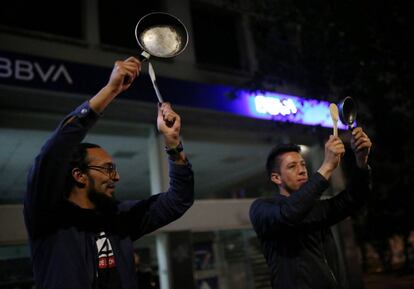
{"x":174,"y":151}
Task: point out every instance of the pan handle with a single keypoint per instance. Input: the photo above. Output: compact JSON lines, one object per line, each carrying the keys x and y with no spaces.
{"x":143,"y":57}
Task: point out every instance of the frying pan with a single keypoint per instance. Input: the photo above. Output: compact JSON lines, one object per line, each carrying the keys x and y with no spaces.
{"x":348,"y":112}
{"x":160,"y":35}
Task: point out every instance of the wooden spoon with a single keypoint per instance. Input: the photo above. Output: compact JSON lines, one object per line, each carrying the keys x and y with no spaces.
{"x":335,"y":116}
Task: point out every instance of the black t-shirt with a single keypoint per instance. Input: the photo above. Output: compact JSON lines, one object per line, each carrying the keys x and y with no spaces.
{"x":108,"y":276}
{"x":145,"y":279}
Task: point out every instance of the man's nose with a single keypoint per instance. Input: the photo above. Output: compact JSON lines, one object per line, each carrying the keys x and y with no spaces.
{"x":116,"y":177}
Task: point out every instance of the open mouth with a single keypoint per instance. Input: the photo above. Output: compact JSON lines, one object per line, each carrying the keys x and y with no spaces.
{"x":111,"y":188}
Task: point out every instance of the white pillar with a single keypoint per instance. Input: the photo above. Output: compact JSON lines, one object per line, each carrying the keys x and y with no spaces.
{"x":158,"y":168}
{"x":162,"y":257}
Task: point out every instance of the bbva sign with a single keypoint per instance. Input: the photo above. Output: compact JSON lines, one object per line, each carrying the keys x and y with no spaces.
{"x":25,"y":70}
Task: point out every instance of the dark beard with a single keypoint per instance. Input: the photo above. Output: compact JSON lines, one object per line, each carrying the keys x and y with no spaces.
{"x":103,"y":203}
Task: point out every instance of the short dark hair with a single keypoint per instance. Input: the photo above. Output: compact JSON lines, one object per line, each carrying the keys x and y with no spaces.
{"x":78,"y":160}
{"x":273,"y":159}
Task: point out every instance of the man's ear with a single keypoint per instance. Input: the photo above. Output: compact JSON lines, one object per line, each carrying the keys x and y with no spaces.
{"x":275,"y":178}
{"x":79,"y":176}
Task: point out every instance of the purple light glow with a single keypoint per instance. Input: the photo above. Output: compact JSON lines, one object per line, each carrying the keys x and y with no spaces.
{"x":285,"y":108}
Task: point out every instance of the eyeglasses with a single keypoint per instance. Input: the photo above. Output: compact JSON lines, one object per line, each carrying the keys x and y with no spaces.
{"x":109,"y":170}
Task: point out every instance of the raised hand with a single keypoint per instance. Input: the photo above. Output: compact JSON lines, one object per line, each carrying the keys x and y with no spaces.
{"x":361,"y":145}
{"x":334,"y":150}
{"x":123,"y":74}
{"x":169,"y":124}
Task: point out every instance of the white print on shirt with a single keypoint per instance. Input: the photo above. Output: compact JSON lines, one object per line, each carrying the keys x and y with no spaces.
{"x":105,"y":254}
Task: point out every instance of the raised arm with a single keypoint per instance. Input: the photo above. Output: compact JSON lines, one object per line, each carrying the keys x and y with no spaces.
{"x":358,"y":186}
{"x":159,"y":210}
{"x":46,"y":180}
{"x":269,"y":216}
{"x":122,"y":76}
{"x":303,"y":208}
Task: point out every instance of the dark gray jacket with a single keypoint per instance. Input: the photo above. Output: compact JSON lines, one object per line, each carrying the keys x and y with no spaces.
{"x":295,"y":232}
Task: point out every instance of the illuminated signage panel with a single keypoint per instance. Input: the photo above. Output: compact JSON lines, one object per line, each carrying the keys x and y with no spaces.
{"x":284,"y":108}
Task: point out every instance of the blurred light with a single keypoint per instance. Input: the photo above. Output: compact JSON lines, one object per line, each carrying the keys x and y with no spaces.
{"x":304,"y":149}
{"x":274,"y":106}
{"x":285,"y":108}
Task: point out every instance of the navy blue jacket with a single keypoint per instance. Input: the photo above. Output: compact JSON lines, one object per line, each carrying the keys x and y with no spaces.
{"x":62,"y":235}
{"x":295,"y":234}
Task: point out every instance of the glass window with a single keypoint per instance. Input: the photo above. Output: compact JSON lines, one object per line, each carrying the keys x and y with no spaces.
{"x":117,"y":20}
{"x":62,"y":18}
{"x":17,"y":155}
{"x":229,"y":169}
{"x":15,"y":267}
{"x":229,"y":259}
{"x":146,"y":262}
{"x":217,"y":36}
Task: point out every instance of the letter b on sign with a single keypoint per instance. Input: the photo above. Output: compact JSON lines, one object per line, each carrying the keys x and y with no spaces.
{"x":23,"y":70}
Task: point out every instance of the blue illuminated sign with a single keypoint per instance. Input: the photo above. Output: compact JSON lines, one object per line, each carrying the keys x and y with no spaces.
{"x":284,"y":108}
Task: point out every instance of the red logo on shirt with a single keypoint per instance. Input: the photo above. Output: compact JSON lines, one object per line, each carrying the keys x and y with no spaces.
{"x":105,"y":253}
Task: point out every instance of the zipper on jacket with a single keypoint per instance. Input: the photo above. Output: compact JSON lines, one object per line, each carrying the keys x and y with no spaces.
{"x":329,"y":268}
{"x":326,"y":260}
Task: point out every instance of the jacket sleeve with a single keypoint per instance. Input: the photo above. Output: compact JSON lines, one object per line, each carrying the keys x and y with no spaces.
{"x":331,"y":211}
{"x":269,"y":216}
{"x":303,"y":210}
{"x":159,"y":210}
{"x":46,"y":179}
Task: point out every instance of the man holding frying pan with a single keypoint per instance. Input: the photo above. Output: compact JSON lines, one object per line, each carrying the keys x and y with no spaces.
{"x":80,"y":236}
{"x":294,"y":226}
